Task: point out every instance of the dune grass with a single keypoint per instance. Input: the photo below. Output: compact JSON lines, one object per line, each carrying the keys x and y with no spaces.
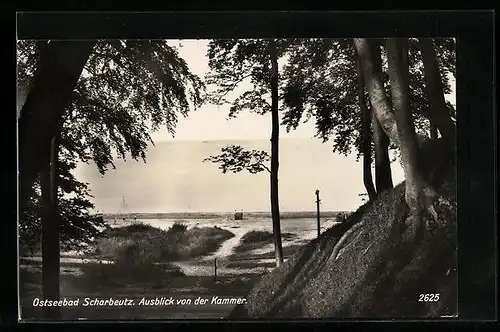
{"x":140,"y":242}
{"x":257,"y":239}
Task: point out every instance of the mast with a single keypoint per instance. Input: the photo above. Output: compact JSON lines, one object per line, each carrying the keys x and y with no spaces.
{"x":123,"y":207}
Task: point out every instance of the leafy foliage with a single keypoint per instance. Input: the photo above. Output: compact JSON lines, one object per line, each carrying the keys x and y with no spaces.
{"x":319,"y":81}
{"x":233,"y":62}
{"x":235,"y":159}
{"x":128,"y":89}
{"x":78,"y":226}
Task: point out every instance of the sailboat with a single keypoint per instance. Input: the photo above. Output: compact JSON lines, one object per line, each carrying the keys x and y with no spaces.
{"x":123,"y":210}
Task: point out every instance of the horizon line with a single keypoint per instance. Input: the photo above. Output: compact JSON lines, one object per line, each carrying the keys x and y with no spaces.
{"x":218,"y":212}
{"x":235,"y":139}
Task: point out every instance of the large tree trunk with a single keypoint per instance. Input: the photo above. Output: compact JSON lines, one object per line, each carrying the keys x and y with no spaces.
{"x":50,"y":231}
{"x":383,"y":173}
{"x":275,"y":209}
{"x":419,"y":194}
{"x":366,"y":136}
{"x":369,"y":55}
{"x":439,"y":113}
{"x":60,"y":66}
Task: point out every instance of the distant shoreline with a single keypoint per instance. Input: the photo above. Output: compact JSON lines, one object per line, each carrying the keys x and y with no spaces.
{"x":214,"y":215}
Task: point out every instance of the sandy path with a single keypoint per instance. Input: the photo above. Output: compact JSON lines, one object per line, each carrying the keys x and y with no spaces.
{"x":227,"y":247}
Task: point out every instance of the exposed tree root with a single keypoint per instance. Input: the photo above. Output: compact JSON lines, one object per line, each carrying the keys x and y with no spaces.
{"x":423,"y":204}
{"x":343,"y":239}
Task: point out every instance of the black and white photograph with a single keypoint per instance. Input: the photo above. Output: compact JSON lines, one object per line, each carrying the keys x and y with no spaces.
{"x":237,"y":179}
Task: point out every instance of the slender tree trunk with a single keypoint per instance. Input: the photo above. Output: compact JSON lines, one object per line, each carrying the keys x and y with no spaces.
{"x":50,"y":231}
{"x":59,"y":69}
{"x":383,"y":120}
{"x":369,"y":56}
{"x":383,"y":173}
{"x":433,"y":130}
{"x":434,"y":89}
{"x":366,"y":135}
{"x":419,"y":194}
{"x":275,"y":210}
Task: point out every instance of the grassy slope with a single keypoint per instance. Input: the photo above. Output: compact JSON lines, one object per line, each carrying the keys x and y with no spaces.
{"x":376,"y":274}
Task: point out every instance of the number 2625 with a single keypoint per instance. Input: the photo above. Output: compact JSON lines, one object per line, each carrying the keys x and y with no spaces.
{"x":428,"y":298}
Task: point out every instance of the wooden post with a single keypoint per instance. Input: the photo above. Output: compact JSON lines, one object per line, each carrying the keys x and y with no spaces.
{"x":317,"y":211}
{"x":215,"y":269}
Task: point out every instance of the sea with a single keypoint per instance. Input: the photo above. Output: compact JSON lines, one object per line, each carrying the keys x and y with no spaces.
{"x":174,"y":178}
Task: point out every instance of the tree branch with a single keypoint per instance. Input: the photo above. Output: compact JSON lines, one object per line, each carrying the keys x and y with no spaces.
{"x":266,"y":168}
{"x":235,"y":159}
{"x":233,"y":86}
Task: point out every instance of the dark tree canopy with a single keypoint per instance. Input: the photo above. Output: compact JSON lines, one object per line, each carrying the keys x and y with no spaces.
{"x":320,"y":82}
{"x":233,"y":61}
{"x":127,"y":89}
{"x":236,"y":61}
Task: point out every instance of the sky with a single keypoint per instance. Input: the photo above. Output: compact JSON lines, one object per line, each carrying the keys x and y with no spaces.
{"x":246,"y":126}
{"x":174,"y":179}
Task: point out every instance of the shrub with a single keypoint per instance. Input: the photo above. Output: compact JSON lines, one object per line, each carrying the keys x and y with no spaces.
{"x":136,"y":254}
{"x":141,"y":244}
{"x":108,"y":247}
{"x":256,"y":239}
{"x":192,"y":243}
{"x":131,"y":231}
{"x":177,"y":228}
{"x":139,"y":227}
{"x":262,"y":236}
{"x":257,"y":236}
